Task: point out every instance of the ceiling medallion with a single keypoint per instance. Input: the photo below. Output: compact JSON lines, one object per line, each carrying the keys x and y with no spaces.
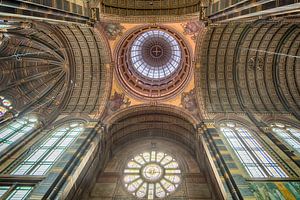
{"x":153,"y":63}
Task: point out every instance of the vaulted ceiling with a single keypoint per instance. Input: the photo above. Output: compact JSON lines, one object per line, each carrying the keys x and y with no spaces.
{"x":48,"y":69}
{"x":151,"y":122}
{"x":250,"y":67}
{"x":150,"y":7}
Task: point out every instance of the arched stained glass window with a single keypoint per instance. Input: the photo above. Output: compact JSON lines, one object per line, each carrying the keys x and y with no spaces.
{"x":288,"y":134}
{"x":256,"y":160}
{"x":13,"y":131}
{"x":42,"y":158}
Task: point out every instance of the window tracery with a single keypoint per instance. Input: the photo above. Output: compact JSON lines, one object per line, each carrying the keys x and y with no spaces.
{"x":256,"y":160}
{"x":151,"y":175}
{"x":42,"y":158}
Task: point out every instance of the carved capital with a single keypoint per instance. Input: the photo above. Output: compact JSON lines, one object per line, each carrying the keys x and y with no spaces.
{"x":209,"y":124}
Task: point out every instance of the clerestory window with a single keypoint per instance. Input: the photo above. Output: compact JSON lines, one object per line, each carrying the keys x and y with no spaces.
{"x":40,"y":160}
{"x":256,"y":160}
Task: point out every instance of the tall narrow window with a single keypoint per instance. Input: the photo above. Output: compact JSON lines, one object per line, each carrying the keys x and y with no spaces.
{"x":14,"y":192}
{"x":257,"y":162}
{"x":42,"y":158}
{"x":288,"y":134}
{"x":11,"y":132}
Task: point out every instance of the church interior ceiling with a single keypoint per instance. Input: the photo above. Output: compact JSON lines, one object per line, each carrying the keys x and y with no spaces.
{"x":149,"y":99}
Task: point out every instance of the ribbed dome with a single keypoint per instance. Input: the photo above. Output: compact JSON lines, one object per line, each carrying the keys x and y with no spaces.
{"x":153,"y":62}
{"x":155,"y":54}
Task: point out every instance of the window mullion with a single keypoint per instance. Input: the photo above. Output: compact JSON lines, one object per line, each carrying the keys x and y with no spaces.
{"x":9,"y":191}
{"x":36,"y":163}
{"x":13,"y":131}
{"x":258,"y":162}
{"x":49,"y":150}
{"x":292,"y":135}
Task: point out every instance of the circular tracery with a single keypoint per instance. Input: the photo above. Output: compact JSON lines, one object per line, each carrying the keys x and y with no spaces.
{"x":152,"y":172}
{"x":152,"y":175}
{"x":153,"y":62}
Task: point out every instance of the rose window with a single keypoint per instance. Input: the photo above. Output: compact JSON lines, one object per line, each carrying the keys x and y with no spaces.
{"x":152,"y":175}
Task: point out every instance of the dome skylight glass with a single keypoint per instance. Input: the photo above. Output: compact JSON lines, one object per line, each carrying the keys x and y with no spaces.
{"x":155,"y":54}
{"x":152,"y":175}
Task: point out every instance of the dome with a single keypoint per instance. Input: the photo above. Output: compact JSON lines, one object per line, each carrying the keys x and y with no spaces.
{"x":155,"y":54}
{"x":153,"y":62}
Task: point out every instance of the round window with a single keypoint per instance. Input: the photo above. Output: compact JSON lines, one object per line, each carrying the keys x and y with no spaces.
{"x":152,"y":175}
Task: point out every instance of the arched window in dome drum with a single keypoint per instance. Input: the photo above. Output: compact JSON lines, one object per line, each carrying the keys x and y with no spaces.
{"x":13,"y":131}
{"x":256,"y":160}
{"x":40,"y":160}
{"x":288,"y":134}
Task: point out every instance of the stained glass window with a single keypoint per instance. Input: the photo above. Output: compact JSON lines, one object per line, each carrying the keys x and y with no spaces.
{"x":155,"y":54}
{"x":15,"y":192}
{"x":288,"y":134}
{"x":42,"y":158}
{"x":152,"y":175}
{"x":5,"y":105}
{"x":256,"y":160}
{"x":13,"y":131}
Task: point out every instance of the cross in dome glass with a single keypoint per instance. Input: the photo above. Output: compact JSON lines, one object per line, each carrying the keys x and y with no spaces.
{"x":5,"y":105}
{"x":156,"y":54}
{"x":152,"y":175}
